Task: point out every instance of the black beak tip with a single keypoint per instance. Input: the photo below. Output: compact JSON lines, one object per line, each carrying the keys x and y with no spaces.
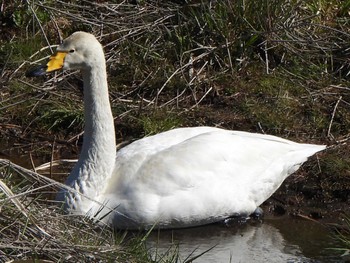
{"x":37,"y":71}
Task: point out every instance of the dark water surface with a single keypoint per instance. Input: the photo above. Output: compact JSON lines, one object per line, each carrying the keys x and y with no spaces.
{"x":274,"y":240}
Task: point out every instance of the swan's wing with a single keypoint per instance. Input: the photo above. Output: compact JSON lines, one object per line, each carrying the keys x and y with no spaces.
{"x":221,"y":158}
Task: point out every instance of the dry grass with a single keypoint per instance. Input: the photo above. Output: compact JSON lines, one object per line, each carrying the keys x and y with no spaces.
{"x":34,"y":228}
{"x":175,"y":59}
{"x":279,"y":67}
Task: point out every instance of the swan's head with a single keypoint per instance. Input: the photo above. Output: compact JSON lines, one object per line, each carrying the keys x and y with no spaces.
{"x":80,"y":50}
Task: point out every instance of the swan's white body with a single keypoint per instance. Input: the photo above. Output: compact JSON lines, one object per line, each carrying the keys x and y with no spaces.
{"x":180,"y":178}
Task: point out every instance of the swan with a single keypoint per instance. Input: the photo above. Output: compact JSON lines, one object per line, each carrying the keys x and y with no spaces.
{"x":183,"y":177}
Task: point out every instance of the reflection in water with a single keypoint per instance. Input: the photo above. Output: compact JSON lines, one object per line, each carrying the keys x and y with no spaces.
{"x":275,"y":240}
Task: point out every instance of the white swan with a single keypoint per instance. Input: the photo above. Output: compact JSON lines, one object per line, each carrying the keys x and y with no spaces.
{"x":180,"y":178}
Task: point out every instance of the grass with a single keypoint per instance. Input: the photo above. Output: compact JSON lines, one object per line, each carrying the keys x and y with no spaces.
{"x":156,"y":123}
{"x":279,"y":67}
{"x":35,"y":229}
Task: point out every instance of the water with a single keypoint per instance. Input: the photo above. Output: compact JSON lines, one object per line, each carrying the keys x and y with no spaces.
{"x":274,"y":240}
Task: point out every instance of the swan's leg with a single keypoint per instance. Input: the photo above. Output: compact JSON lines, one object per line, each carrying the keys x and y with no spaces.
{"x":257,"y":214}
{"x":235,"y":219}
{"x":241,"y":219}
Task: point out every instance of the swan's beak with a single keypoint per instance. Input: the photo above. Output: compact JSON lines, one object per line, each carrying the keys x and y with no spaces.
{"x":55,"y":63}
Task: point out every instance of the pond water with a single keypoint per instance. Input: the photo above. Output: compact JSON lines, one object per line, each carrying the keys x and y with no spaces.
{"x":274,"y":240}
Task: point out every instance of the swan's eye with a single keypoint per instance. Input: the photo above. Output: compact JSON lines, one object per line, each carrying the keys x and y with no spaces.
{"x":71,"y":51}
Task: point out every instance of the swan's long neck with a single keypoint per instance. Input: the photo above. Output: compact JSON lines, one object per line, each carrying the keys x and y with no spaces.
{"x":97,"y":159}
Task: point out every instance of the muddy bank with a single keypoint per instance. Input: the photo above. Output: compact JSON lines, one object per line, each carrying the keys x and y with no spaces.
{"x":310,"y":193}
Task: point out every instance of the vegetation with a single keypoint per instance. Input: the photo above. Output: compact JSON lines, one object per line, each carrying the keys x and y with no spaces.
{"x":34,"y":228}
{"x":273,"y":66}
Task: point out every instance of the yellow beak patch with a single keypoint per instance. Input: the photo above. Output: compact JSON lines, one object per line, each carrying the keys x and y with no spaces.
{"x":56,"y":61}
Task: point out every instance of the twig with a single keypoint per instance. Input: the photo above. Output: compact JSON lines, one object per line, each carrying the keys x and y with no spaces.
{"x":55,"y":163}
{"x":329,"y":135}
{"x":208,"y":91}
{"x":10,"y":196}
